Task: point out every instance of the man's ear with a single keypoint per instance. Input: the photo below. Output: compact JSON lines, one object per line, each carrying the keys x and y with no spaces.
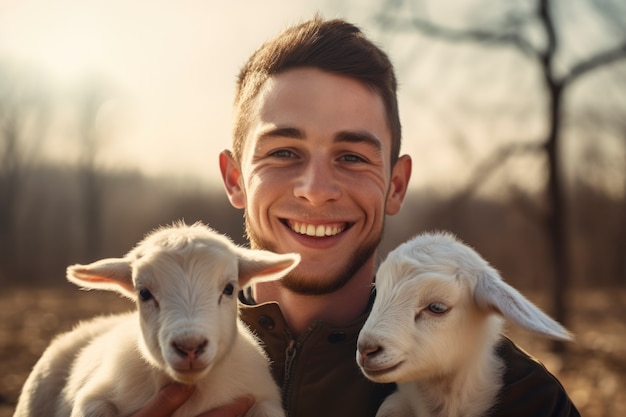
{"x":231,"y":176}
{"x":400,"y":176}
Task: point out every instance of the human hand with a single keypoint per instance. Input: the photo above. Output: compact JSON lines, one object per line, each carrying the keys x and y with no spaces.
{"x":174,"y":395}
{"x":167,"y":401}
{"x":237,"y":408}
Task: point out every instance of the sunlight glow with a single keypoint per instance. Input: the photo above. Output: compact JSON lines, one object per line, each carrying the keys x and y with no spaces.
{"x":71,"y":52}
{"x":66,"y":43}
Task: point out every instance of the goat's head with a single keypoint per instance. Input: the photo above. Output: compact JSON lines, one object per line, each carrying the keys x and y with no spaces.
{"x":185,"y":280}
{"x":438,"y":305}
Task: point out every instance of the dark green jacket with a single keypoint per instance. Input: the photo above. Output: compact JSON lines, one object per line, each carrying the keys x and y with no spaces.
{"x":319,"y":376}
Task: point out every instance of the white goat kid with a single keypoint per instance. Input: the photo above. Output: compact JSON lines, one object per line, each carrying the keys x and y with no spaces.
{"x":436,"y":320}
{"x":185,"y":280}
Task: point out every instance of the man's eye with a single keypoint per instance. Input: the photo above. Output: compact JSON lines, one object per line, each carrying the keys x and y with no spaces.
{"x":352,"y":158}
{"x":283,"y":153}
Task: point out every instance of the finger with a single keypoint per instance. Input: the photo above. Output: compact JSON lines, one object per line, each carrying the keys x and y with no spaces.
{"x":237,"y":408}
{"x":167,"y":401}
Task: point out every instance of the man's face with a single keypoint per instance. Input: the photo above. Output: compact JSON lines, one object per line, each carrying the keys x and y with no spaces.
{"x":315,"y":175}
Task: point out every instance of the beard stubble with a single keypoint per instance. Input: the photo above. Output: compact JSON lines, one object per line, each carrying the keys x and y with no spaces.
{"x":315,"y":286}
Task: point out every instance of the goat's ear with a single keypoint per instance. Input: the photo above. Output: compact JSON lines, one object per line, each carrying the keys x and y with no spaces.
{"x":492,"y":293}
{"x":114,"y":274}
{"x":264,"y":265}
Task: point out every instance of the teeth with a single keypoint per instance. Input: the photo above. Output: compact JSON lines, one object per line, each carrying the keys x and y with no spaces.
{"x":319,"y":230}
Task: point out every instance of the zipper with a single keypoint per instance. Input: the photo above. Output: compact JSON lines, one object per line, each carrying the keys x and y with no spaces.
{"x":291,"y":355}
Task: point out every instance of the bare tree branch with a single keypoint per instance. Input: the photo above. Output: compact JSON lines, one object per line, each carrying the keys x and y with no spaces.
{"x":545,"y":16}
{"x":458,"y":35}
{"x":603,"y":58}
{"x":487,"y":168}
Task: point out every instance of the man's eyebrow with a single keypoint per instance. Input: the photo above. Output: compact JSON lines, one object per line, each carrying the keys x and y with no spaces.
{"x":284,"y":132}
{"x":359,"y":137}
{"x":349,"y":136}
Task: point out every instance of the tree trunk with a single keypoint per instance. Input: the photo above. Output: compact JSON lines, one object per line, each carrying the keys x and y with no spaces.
{"x":557,"y":213}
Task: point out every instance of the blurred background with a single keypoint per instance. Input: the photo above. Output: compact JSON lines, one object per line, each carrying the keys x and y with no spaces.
{"x":112,"y":114}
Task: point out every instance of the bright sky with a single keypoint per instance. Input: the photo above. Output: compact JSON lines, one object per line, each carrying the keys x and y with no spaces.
{"x":173,"y":64}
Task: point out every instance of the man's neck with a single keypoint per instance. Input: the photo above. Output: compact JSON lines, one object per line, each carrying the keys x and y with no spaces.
{"x":340,"y":308}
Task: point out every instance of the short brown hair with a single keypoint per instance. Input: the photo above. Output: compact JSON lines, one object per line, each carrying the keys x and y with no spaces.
{"x":335,"y":46}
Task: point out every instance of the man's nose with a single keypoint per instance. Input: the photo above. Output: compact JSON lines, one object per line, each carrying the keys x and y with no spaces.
{"x":316,"y":182}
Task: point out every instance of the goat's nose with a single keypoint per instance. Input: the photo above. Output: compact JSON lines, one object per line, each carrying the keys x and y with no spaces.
{"x":369,"y":350}
{"x":189,"y":349}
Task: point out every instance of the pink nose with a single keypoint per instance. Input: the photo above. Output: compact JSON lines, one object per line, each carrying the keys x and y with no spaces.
{"x":189,"y":349}
{"x":368,"y":351}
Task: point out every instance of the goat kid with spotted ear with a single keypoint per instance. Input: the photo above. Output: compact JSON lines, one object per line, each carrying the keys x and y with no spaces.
{"x":435,"y":325}
{"x":185,"y":280}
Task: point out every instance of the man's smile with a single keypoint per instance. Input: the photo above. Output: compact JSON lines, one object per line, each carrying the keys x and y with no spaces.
{"x":316,"y":230}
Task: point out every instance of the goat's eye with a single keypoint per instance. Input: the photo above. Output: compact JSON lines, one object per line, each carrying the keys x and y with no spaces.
{"x":437,"y":308}
{"x":228,"y":289}
{"x":145,"y":294}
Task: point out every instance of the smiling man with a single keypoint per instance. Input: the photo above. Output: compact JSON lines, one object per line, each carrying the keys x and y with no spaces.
{"x":316,"y":167}
{"x":315,"y":177}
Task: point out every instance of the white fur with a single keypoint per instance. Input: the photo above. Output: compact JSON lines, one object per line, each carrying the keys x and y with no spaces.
{"x":444,"y":362}
{"x":187,"y":331}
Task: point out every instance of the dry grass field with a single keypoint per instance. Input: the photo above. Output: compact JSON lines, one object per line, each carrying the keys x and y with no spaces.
{"x":593,"y":370}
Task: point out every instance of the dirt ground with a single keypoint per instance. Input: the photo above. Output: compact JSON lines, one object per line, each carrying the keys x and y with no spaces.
{"x":593,"y":369}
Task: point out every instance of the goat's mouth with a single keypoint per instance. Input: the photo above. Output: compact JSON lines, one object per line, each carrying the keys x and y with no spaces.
{"x":316,"y":230}
{"x":191,"y":368}
{"x":189,"y":374}
{"x":380,"y":374}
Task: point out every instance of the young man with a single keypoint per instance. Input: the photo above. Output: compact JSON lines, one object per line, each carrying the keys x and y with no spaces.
{"x":316,"y":167}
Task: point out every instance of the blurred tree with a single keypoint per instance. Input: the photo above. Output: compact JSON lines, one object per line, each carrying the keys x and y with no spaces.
{"x":609,"y":168}
{"x":24,"y":118}
{"x":92,"y":96}
{"x":566,"y":41}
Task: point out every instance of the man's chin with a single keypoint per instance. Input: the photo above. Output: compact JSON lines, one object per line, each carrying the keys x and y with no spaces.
{"x":318,"y":284}
{"x":314,"y":286}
